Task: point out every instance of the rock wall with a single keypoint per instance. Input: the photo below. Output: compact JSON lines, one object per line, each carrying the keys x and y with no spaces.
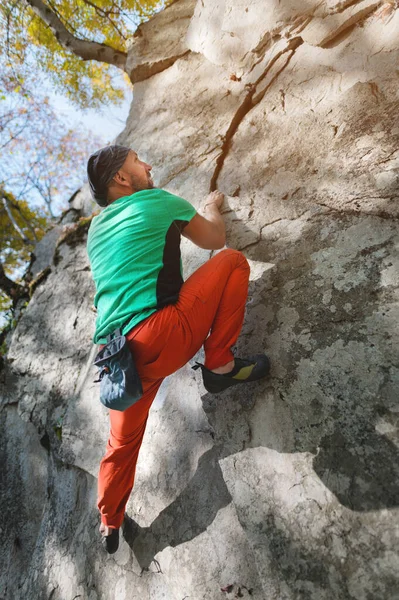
{"x":287,"y":489}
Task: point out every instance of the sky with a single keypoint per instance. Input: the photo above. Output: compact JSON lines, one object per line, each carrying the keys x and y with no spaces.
{"x":107,"y":122}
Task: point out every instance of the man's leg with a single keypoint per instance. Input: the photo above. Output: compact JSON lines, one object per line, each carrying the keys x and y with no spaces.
{"x":147,"y":342}
{"x":118,"y":466}
{"x":213,"y":298}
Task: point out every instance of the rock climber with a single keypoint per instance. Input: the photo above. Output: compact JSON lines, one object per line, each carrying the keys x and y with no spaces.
{"x":134,"y":251}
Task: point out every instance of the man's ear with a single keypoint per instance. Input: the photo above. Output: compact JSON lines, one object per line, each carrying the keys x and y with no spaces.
{"x":119,"y":178}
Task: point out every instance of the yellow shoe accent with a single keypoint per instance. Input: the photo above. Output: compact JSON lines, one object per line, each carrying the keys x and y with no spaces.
{"x":244,"y":373}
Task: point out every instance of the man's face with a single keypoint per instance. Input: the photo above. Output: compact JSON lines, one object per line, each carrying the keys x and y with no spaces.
{"x":137,"y":172}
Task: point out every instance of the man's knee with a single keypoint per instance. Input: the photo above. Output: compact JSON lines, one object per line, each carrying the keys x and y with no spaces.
{"x":235,"y":255}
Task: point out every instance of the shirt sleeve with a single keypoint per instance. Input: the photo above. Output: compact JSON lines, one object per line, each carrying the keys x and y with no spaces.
{"x":178,"y":208}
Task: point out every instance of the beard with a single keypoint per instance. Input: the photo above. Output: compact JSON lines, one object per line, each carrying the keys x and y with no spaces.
{"x":138,"y":184}
{"x":150,"y":182}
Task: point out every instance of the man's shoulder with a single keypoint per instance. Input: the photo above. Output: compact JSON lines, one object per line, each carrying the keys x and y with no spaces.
{"x":154,"y":192}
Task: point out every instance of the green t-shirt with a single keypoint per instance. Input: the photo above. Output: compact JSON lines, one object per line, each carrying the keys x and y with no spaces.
{"x":134,"y":252}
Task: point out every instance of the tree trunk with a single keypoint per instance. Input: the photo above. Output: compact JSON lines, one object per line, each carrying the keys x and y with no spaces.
{"x":84,"y":49}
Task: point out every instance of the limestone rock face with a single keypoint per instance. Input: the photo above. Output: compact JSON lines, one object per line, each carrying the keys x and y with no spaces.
{"x":157,"y":43}
{"x":288,"y":488}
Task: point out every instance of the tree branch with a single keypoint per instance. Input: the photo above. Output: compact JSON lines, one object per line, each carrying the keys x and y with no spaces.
{"x":21,"y":214}
{"x":13,"y":221}
{"x":84,"y":49}
{"x":105,"y":14}
{"x":39,"y":188}
{"x":11,"y":288}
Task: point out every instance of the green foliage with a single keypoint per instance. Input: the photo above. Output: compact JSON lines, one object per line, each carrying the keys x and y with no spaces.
{"x":42,"y":159}
{"x":16,"y":248}
{"x":5,"y":307}
{"x":25,"y":38}
{"x":43,"y":163}
{"x":33,"y":224}
{"x":4,"y":330}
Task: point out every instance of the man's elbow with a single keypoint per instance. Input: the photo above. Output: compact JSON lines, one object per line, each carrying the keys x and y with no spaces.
{"x":220,"y":242}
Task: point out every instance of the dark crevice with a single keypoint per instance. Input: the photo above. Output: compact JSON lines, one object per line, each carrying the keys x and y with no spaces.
{"x":145,"y":71}
{"x":340,"y":34}
{"x":249,"y":102}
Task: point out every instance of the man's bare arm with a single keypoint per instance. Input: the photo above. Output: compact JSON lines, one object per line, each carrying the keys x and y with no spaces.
{"x":208,"y":232}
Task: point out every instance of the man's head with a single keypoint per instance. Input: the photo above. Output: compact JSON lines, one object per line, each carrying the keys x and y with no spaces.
{"x":116,"y":171}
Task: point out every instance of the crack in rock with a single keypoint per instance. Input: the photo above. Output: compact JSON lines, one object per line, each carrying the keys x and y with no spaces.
{"x":145,"y":71}
{"x":326,"y":32}
{"x":250,"y":101}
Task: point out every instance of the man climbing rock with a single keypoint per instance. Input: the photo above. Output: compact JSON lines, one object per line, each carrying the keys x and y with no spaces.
{"x":134,"y":251}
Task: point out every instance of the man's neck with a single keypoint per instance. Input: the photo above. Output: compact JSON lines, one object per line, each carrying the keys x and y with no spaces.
{"x":115,"y":195}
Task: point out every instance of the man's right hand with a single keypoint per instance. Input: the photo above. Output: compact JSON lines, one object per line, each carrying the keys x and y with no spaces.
{"x":208,"y":232}
{"x":215,"y":198}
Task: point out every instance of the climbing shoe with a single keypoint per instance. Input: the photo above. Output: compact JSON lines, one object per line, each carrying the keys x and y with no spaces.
{"x":244,"y":371}
{"x":111,"y":541}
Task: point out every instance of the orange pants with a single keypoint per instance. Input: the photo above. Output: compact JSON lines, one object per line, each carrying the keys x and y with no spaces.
{"x":212,"y":299}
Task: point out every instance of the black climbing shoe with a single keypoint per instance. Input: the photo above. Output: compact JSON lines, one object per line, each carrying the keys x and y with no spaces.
{"x":244,"y":371}
{"x":111,"y":541}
